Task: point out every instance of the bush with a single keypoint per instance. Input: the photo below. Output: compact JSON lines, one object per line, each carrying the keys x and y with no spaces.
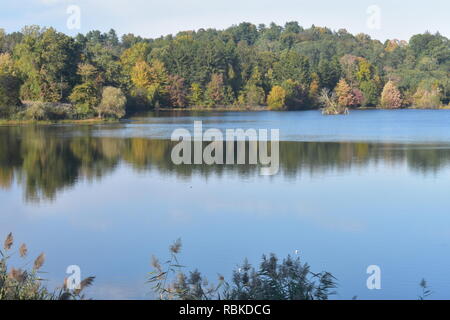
{"x":275,"y":280}
{"x":37,"y":111}
{"x":427,"y":99}
{"x":61,"y":111}
{"x":43,"y":111}
{"x":112,"y":104}
{"x":429,"y":94}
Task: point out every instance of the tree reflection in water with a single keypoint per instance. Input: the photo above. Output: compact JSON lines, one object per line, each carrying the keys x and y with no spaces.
{"x":45,"y":160}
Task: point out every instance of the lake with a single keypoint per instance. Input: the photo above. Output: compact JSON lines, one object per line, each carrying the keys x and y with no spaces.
{"x":370,"y":188}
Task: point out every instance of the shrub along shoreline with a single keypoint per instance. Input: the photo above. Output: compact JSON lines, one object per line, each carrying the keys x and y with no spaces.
{"x":97,"y":120}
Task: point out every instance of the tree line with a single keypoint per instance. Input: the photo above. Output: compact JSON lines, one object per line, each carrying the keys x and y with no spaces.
{"x":47,"y":74}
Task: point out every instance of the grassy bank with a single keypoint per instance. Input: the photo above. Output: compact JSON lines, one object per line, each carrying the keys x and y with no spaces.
{"x":96,"y":120}
{"x":13,"y":122}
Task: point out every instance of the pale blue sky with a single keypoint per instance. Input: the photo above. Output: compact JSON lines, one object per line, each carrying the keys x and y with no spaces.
{"x":399,"y":18}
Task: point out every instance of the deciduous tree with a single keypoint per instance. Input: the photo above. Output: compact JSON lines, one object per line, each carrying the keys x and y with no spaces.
{"x":215,"y":91}
{"x":112,"y":104}
{"x":177,"y":92}
{"x":391,"y":97}
{"x":277,"y":98}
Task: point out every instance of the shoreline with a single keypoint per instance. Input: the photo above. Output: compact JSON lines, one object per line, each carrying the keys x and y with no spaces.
{"x":6,"y":122}
{"x":91,"y":121}
{"x":264,"y":108}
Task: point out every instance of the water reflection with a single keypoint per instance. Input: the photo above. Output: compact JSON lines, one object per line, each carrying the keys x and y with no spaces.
{"x":47,"y":160}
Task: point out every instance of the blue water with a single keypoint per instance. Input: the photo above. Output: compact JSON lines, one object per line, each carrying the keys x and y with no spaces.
{"x":371,"y":188}
{"x":407,"y":126}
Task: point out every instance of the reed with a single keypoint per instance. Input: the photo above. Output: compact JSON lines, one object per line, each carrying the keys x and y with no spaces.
{"x":22,"y":283}
{"x":273,"y":280}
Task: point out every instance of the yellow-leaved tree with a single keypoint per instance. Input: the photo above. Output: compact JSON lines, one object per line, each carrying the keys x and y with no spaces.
{"x":277,"y":98}
{"x":150,"y":82}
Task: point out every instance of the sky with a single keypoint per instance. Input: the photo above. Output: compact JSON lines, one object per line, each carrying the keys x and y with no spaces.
{"x":382,"y":19}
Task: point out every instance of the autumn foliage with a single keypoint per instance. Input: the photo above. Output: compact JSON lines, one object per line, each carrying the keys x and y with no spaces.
{"x":277,"y":98}
{"x":391,"y":97}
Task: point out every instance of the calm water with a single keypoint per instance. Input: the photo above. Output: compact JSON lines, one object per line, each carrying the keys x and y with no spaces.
{"x":369,"y":188}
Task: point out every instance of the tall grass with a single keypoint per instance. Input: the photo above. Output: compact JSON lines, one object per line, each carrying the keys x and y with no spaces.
{"x":26,"y":282}
{"x":288,"y":279}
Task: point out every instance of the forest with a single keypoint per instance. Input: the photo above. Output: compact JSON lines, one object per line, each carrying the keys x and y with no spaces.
{"x":47,"y":75}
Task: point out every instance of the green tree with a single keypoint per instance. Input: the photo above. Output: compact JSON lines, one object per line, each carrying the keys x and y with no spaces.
{"x":371,"y":92}
{"x":196,"y":95}
{"x":329,"y":73}
{"x":9,"y":85}
{"x":107,"y":62}
{"x":296,"y":94}
{"x":292,"y":65}
{"x":365,"y":71}
{"x":9,"y":93}
{"x":7,"y":64}
{"x":253,"y":93}
{"x":86,"y":96}
{"x":138,"y":52}
{"x":245,"y":32}
{"x":47,"y":60}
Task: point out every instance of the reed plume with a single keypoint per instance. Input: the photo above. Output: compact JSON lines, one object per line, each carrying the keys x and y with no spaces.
{"x":9,"y":241}
{"x":23,"y":250}
{"x":38,"y":263}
